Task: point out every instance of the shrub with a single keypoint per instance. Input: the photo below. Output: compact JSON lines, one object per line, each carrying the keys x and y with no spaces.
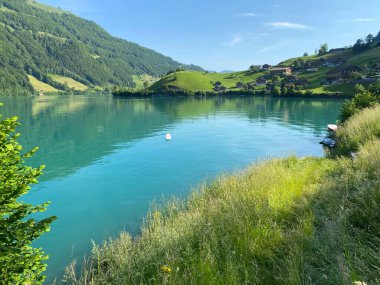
{"x":20,"y":263}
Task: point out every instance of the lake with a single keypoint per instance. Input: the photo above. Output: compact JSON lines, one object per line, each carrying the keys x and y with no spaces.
{"x":107,"y":158}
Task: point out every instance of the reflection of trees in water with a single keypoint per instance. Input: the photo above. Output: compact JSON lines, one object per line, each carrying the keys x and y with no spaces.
{"x":75,"y":131}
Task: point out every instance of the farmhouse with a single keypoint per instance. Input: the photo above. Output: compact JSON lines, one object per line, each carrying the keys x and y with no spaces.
{"x":302,"y":82}
{"x":280,"y":71}
{"x":342,"y":73}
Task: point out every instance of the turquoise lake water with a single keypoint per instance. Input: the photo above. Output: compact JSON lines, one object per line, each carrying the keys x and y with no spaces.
{"x":107,"y":159}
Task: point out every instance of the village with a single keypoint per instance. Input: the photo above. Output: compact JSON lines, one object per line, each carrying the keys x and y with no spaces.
{"x":295,"y":77}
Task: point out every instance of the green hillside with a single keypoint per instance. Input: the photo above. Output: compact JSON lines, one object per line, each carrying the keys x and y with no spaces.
{"x":39,"y":40}
{"x":202,"y":81}
{"x":312,"y":71}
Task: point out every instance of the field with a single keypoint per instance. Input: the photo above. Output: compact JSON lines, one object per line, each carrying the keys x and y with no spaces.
{"x":69,"y":81}
{"x":140,"y":79}
{"x":41,"y":86}
{"x":283,"y":221}
{"x":202,"y":81}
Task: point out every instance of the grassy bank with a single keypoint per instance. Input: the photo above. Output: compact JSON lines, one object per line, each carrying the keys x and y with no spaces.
{"x":284,"y":221}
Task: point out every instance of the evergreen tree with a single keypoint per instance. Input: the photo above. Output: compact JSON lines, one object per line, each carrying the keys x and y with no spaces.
{"x":20,"y":263}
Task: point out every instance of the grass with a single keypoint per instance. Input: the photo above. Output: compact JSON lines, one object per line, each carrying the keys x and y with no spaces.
{"x":69,"y":81}
{"x":359,"y":129}
{"x":140,"y":79}
{"x":41,"y":86}
{"x":202,"y":81}
{"x":284,"y":221}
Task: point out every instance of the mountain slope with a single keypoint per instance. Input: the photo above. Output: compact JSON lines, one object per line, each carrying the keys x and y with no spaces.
{"x":38,"y":40}
{"x":311,"y":69}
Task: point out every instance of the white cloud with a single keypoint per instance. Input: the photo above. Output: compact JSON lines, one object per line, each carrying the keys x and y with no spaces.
{"x":287,"y":26}
{"x":364,"y":20}
{"x":236,"y":39}
{"x":250,"y":15}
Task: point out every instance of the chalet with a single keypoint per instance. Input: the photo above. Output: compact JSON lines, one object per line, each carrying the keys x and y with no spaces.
{"x":266,"y":67}
{"x":280,"y":71}
{"x":261,"y":82}
{"x":302,"y":82}
{"x":342,"y":73}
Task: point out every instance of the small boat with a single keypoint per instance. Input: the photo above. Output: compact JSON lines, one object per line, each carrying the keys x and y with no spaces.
{"x":332,"y":127}
{"x":168,"y":137}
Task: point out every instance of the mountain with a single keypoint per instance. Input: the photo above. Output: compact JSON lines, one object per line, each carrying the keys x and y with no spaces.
{"x":47,"y":49}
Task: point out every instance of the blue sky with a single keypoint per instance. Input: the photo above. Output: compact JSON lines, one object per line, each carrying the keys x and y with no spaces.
{"x":232,"y":35}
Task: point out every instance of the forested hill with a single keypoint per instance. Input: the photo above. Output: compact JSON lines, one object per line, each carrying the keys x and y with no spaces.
{"x":43,"y":46}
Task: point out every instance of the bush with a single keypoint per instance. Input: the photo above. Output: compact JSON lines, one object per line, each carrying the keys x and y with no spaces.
{"x":361,"y":100}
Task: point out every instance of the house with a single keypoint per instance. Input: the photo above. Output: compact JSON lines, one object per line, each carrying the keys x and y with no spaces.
{"x":266,"y":67}
{"x":280,"y":71}
{"x":342,"y":73}
{"x":302,"y":82}
{"x":261,"y":82}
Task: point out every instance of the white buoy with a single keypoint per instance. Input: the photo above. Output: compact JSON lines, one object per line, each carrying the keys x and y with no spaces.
{"x":168,"y":137}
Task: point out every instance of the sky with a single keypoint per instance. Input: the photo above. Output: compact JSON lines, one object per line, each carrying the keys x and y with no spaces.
{"x":231,"y":34}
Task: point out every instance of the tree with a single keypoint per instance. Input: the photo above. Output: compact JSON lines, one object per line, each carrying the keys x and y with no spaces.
{"x":323,"y":49}
{"x":305,"y":54}
{"x":254,"y":68}
{"x":276,"y":78}
{"x":20,"y":263}
{"x":369,"y":39}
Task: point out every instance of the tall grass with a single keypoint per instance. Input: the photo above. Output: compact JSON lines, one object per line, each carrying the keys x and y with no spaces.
{"x":284,"y":221}
{"x":359,"y":129}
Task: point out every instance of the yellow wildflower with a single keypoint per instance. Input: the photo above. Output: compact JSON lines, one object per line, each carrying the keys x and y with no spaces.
{"x":166,"y":269}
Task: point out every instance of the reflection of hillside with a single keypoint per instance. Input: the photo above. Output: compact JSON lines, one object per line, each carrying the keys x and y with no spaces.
{"x":73,"y":132}
{"x":295,"y":111}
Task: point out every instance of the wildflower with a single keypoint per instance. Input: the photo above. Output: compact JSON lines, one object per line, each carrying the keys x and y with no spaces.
{"x":166,"y":269}
{"x":156,"y":215}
